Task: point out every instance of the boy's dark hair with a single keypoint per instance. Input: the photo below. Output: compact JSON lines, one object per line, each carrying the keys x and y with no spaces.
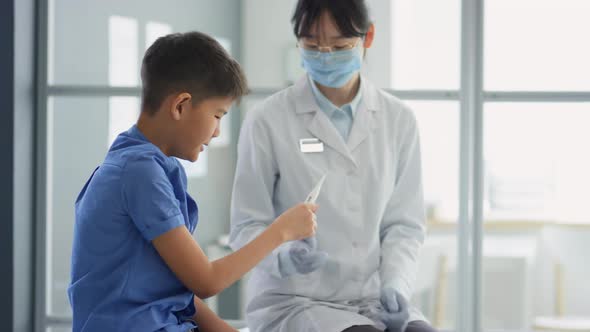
{"x":351,"y":16}
{"x":190,"y":62}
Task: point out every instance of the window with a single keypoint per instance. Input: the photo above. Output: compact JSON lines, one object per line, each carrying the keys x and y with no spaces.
{"x":438,"y":122}
{"x":535,"y":106}
{"x":535,"y":161}
{"x":426,"y":44}
{"x":425,"y":50}
{"x":537,"y":45}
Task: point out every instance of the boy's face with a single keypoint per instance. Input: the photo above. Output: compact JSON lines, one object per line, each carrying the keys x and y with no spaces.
{"x":198,"y":125}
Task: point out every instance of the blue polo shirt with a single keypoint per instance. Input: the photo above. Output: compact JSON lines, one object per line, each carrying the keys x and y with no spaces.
{"x":119,"y":282}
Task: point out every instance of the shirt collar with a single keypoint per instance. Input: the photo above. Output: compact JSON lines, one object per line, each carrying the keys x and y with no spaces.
{"x":136,"y":133}
{"x":327,"y":106}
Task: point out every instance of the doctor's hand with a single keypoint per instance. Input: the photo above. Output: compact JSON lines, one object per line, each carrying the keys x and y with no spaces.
{"x":395,"y":315}
{"x":299,"y":222}
{"x":301,"y":257}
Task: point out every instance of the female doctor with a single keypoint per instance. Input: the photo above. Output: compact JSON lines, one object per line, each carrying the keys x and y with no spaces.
{"x":357,"y":273}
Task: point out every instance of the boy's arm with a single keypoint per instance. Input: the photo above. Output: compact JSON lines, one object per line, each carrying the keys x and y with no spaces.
{"x":189,"y":263}
{"x":186,"y":259}
{"x":149,"y":198}
{"x":208,"y":321}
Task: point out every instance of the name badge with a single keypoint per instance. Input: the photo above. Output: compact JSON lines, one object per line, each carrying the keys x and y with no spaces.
{"x":311,"y":145}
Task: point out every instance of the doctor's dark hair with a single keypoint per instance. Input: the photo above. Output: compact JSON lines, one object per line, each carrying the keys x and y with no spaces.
{"x":190,"y":62}
{"x":351,"y":16}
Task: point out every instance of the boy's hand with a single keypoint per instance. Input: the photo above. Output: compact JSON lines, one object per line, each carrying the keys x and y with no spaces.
{"x":299,"y":222}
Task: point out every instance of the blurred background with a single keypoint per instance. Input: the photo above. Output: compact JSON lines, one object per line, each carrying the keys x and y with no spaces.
{"x":536,"y":159}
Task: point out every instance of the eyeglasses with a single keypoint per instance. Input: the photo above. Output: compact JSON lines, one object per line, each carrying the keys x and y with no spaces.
{"x":314,"y":49}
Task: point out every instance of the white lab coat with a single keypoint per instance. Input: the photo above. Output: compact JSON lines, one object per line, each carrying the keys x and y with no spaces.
{"x":371,"y":216}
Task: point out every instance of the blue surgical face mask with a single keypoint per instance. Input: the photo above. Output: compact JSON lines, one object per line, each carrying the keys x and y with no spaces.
{"x":332,"y":69}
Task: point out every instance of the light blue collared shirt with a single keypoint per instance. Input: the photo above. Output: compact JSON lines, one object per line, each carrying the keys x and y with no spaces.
{"x":341,"y":117}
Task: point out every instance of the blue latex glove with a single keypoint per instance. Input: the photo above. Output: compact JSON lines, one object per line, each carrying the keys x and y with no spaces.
{"x":396,"y":312}
{"x":301,"y":257}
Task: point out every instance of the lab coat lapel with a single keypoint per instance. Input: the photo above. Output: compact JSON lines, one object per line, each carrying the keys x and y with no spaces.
{"x":318,"y":123}
{"x":365,"y":119}
{"x":321,"y":127}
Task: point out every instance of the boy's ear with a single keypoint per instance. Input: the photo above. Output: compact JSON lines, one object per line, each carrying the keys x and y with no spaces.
{"x":180,"y":104}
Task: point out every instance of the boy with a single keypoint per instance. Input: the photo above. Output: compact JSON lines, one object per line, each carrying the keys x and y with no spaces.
{"x":135,"y":265}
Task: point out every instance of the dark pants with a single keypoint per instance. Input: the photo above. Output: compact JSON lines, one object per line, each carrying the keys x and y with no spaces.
{"x":415,"y":326}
